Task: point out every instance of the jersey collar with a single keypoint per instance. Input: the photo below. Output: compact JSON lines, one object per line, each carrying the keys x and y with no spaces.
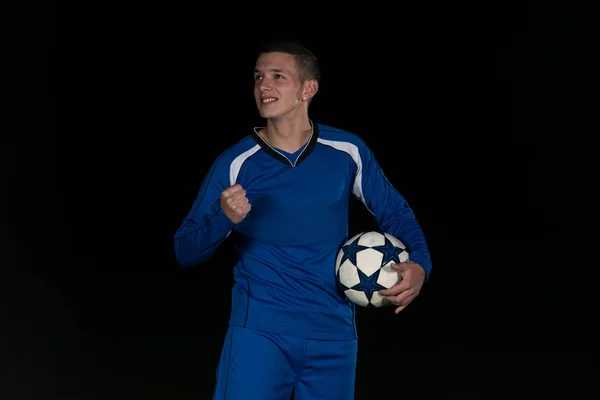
{"x":267,"y":148}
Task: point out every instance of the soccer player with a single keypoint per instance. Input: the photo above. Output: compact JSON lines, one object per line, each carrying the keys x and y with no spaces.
{"x":284,"y":191}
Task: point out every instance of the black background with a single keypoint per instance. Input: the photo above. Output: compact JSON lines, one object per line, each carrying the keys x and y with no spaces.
{"x":479,"y":116}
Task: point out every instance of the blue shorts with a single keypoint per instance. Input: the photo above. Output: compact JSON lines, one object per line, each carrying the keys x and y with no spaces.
{"x":256,"y":365}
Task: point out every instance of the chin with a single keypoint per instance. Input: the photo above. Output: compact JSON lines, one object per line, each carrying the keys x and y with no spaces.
{"x":268,"y":113}
{"x":273,"y":111}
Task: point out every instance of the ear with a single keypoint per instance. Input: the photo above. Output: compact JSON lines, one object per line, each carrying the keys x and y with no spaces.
{"x":311,"y":88}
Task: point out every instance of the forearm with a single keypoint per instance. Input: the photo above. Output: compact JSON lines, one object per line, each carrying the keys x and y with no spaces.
{"x":403,"y":225}
{"x":199,"y":236}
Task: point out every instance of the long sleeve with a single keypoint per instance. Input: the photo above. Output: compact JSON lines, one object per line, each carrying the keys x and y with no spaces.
{"x":206,"y":225}
{"x":390,"y":208}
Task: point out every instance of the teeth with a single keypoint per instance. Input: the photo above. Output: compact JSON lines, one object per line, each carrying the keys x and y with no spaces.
{"x":268,"y":100}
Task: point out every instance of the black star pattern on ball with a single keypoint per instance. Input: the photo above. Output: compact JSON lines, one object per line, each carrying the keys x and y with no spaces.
{"x":368,"y":284}
{"x":389,"y":251}
{"x":350,"y":251}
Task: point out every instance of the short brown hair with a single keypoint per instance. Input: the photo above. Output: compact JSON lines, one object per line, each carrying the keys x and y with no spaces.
{"x":307,"y":63}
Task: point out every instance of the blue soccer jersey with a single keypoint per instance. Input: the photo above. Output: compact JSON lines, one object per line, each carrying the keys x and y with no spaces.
{"x":287,"y":244}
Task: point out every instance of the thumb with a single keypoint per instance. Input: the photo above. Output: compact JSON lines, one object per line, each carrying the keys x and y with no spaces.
{"x":397,"y":266}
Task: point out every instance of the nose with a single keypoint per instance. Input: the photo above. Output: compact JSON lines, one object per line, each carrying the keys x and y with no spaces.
{"x":264,"y":85}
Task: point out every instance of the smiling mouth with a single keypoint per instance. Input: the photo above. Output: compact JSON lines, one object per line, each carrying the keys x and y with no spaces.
{"x":268,"y":100}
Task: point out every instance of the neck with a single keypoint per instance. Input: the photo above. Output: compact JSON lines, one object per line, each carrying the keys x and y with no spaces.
{"x":287,"y":134}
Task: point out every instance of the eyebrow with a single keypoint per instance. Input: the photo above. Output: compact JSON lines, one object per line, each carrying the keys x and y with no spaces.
{"x":276,"y":70}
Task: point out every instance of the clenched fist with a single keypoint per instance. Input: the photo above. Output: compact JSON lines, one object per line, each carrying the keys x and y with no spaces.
{"x":234,"y":203}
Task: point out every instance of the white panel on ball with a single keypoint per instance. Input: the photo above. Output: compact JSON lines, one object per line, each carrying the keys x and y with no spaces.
{"x":348,"y":274}
{"x":369,"y":261}
{"x":357,"y":297}
{"x":372,"y":239}
{"x":395,"y":241}
{"x":378,"y":300}
{"x":388,"y":277}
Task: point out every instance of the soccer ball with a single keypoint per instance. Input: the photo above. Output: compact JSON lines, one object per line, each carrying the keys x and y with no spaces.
{"x":363,"y":267}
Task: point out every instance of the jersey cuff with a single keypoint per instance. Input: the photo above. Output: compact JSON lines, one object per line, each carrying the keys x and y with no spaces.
{"x":222,"y":217}
{"x":422,"y":261}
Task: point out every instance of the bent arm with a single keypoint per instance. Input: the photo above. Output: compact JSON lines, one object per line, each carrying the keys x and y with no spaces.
{"x":205,"y":226}
{"x":390,"y":208}
{"x":201,"y":233}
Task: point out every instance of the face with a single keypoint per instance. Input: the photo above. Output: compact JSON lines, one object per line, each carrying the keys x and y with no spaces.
{"x":277,"y":88}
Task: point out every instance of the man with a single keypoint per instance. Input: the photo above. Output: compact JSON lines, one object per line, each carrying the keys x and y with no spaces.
{"x":284,"y":191}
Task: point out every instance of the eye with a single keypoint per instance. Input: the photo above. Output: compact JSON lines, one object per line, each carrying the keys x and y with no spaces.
{"x":257,"y":77}
{"x":278,"y":76}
